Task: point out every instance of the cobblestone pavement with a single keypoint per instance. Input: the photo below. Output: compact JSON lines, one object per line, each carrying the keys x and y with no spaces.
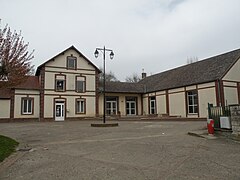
{"x":134,"y":150}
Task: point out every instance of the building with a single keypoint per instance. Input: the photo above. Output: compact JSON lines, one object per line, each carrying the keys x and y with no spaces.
{"x":66,"y":87}
{"x":184,"y":91}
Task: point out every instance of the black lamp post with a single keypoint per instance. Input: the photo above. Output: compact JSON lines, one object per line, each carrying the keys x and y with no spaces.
{"x":104,"y":50}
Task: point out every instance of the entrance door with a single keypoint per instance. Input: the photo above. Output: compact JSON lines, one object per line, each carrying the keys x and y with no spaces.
{"x":152,"y":105}
{"x":59,"y":111}
{"x":111,"y":107}
{"x":131,"y":107}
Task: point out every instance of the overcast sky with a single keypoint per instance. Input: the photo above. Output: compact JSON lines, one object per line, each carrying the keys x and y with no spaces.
{"x":154,"y":35}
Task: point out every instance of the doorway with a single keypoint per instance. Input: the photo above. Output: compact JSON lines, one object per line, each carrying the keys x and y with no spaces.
{"x":59,"y":111}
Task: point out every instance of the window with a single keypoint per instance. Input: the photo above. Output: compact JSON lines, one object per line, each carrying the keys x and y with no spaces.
{"x":152,"y":105}
{"x":80,"y":106}
{"x":60,"y":83}
{"x":71,"y":62}
{"x":27,"y":105}
{"x":131,"y":103}
{"x":111,"y":105}
{"x":192,"y":100}
{"x":80,"y":84}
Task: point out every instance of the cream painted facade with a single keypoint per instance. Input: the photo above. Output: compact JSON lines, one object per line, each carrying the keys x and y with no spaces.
{"x":47,"y":102}
{"x":57,"y":69}
{"x":121,"y":102}
{"x":21,"y":94}
{"x":67,"y":91}
{"x":176,"y":101}
{"x":5,"y":109}
{"x":233,"y":73}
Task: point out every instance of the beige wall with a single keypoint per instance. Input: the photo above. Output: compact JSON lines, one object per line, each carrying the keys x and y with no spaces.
{"x":4,"y":108}
{"x":121,"y":102}
{"x":70,"y":106}
{"x":206,"y":96}
{"x":84,"y":69}
{"x":177,"y":100}
{"x":19,"y":94}
{"x":145,"y":106}
{"x":230,"y":95}
{"x":49,"y":106}
{"x":60,"y":61}
{"x":70,"y":80}
{"x":90,"y":107}
{"x":234,"y":73}
{"x":177,"y":104}
{"x":161,"y":104}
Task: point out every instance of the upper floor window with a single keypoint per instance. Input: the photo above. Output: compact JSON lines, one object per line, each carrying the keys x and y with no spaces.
{"x":71,"y":62}
{"x":27,"y":106}
{"x":60,"y":83}
{"x":192,"y":99}
{"x":80,"y":84}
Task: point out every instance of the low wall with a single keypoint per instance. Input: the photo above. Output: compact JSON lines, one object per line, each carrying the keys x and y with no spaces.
{"x":235,"y":119}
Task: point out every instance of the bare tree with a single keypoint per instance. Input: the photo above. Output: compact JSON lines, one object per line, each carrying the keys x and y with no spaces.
{"x":15,"y":60}
{"x":133,"y":78}
{"x":109,"y":76}
{"x":191,"y":60}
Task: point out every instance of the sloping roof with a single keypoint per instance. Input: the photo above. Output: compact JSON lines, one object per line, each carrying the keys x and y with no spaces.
{"x":207,"y":70}
{"x":123,"y":87}
{"x":31,"y":83}
{"x":71,"y":47}
{"x":5,"y":93}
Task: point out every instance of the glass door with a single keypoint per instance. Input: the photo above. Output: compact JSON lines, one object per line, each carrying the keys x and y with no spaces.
{"x":131,"y":108}
{"x":59,"y":111}
{"x":111,"y":107}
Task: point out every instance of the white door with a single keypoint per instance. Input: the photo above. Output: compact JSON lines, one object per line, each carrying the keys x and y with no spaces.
{"x":111,"y":107}
{"x":131,"y":107}
{"x":59,"y":111}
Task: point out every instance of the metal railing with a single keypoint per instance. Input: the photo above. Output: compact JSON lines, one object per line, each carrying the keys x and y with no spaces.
{"x":216,"y":112}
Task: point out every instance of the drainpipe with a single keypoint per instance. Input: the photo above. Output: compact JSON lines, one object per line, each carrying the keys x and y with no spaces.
{"x":219,"y":93}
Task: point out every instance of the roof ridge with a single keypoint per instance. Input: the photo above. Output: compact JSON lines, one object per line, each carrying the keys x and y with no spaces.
{"x":200,"y":61}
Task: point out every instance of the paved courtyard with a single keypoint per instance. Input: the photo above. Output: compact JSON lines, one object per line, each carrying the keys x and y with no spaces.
{"x":134,"y":150}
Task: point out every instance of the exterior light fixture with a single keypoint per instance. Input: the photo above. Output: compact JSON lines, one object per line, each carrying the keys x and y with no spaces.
{"x":96,"y":53}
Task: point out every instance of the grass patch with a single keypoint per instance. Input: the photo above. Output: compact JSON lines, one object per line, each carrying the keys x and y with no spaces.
{"x":7,"y":147}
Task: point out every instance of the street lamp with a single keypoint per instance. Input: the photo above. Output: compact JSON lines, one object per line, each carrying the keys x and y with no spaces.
{"x":96,"y":53}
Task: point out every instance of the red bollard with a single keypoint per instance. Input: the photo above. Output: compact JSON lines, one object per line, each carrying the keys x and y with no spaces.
{"x":210,"y":126}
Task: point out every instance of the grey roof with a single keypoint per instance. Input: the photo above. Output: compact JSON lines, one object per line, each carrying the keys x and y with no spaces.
{"x":203,"y":71}
{"x":207,"y":70}
{"x":124,"y":87}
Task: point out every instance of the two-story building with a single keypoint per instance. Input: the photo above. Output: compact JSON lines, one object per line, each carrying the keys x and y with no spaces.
{"x":66,"y":88}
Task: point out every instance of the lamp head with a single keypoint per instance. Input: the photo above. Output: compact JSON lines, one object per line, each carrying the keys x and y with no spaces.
{"x":96,"y":53}
{"x":111,"y":55}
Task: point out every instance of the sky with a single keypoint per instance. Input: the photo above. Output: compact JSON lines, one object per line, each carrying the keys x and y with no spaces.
{"x":145,"y":35}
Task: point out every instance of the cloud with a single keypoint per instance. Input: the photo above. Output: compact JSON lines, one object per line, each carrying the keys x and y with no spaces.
{"x":152,"y":34}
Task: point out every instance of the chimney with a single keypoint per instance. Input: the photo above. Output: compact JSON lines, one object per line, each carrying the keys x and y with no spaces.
{"x":143,"y":74}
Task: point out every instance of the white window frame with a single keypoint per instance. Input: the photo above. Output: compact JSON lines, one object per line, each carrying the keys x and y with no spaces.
{"x":152,"y":108}
{"x":27,"y":112}
{"x":194,"y":104}
{"x":80,"y":106}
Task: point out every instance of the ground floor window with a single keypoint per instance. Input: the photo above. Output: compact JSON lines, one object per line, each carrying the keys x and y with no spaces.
{"x":111,"y":105}
{"x":152,"y":102}
{"x":80,"y":106}
{"x":27,"y":106}
{"x":131,"y":105}
{"x":192,"y":100}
